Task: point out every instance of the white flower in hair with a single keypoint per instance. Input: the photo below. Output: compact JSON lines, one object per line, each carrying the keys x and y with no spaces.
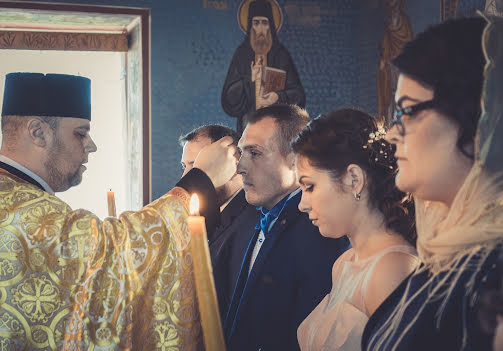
{"x":379,"y":134}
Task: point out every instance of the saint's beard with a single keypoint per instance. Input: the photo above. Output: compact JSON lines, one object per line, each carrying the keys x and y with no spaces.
{"x":261,"y":44}
{"x":59,"y":181}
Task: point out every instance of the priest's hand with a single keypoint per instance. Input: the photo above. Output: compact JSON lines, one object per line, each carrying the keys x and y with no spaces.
{"x":218,"y":160}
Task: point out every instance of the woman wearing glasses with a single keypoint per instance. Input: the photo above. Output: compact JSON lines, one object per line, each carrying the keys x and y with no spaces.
{"x":346,"y":170}
{"x":451,"y":174}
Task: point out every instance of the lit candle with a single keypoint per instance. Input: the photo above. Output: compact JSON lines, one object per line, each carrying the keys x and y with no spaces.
{"x":111,"y":203}
{"x":205,"y":286}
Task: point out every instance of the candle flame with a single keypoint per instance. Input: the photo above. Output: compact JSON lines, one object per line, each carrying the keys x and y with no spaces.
{"x":194,"y":205}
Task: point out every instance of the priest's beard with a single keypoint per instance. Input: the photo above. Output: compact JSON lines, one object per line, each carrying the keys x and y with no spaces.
{"x":261,"y":44}
{"x":56,"y":163}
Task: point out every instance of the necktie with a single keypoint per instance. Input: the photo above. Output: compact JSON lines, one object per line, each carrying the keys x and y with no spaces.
{"x":265,"y":221}
{"x":267,"y":216}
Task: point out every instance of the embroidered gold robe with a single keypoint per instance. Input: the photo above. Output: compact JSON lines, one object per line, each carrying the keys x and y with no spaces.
{"x":70,"y":281}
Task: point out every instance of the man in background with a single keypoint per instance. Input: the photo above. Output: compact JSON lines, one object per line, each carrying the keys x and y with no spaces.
{"x":195,"y":141}
{"x":228,"y":242}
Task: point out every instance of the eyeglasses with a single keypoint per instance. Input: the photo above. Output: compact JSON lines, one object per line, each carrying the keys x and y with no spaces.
{"x":397,"y":117}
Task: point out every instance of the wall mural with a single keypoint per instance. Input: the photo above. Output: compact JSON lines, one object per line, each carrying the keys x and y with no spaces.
{"x":334,"y":45}
{"x":397,"y":32}
{"x":494,"y":7}
{"x":262,"y":71}
{"x":448,"y":9}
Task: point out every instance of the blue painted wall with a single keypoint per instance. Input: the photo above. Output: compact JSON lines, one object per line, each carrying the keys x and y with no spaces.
{"x":333,"y":44}
{"x":470,"y":7}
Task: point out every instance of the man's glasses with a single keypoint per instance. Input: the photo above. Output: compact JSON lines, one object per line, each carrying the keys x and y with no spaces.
{"x":397,"y":117}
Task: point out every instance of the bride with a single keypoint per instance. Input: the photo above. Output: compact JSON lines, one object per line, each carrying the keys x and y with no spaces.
{"x":346,"y":170}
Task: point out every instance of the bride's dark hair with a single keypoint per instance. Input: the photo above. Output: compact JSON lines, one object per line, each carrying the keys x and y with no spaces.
{"x":347,"y":136}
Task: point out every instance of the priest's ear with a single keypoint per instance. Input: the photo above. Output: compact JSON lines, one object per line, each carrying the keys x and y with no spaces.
{"x":39,"y":131}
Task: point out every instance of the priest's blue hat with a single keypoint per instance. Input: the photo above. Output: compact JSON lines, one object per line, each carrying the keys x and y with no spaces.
{"x":52,"y":95}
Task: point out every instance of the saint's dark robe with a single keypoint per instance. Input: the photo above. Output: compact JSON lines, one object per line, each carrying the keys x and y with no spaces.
{"x":238,"y":94}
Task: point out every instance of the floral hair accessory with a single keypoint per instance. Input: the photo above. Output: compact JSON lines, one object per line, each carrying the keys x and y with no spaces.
{"x":378,"y":148}
{"x":375,"y":136}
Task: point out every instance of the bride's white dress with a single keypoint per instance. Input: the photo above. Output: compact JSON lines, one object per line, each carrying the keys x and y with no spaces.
{"x":337,"y":323}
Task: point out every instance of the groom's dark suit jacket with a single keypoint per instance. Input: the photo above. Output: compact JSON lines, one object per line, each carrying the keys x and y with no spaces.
{"x":228,"y":244}
{"x":290,"y":276}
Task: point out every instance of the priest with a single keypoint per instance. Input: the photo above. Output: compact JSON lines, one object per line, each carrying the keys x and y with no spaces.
{"x":69,"y":280}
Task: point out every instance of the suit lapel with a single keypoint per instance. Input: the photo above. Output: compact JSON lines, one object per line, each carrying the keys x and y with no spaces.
{"x":276,"y":232}
{"x":240,"y":286}
{"x":246,"y":283}
{"x":233,"y":208}
{"x":230,"y":212}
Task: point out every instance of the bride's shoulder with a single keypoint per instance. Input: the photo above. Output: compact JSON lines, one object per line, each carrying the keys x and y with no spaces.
{"x":348,"y":255}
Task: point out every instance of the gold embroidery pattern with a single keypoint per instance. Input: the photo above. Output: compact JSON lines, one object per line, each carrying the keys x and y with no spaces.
{"x":8,"y":322}
{"x":69,"y":281}
{"x":10,"y":253}
{"x":37,"y":298}
{"x":165,"y":336}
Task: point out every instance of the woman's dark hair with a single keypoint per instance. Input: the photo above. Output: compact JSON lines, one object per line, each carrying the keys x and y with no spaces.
{"x":343,"y":137}
{"x":448,"y":58}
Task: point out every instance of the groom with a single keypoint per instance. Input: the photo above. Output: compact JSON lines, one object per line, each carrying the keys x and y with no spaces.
{"x":286,"y":271}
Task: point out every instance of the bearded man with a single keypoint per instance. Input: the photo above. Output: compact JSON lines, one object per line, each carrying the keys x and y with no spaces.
{"x":260,"y":48}
{"x":69,"y":280}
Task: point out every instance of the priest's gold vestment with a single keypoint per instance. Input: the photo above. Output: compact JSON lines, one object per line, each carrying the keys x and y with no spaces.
{"x":69,"y":281}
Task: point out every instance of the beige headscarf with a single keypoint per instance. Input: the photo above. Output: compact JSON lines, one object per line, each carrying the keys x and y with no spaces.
{"x":450,"y":239}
